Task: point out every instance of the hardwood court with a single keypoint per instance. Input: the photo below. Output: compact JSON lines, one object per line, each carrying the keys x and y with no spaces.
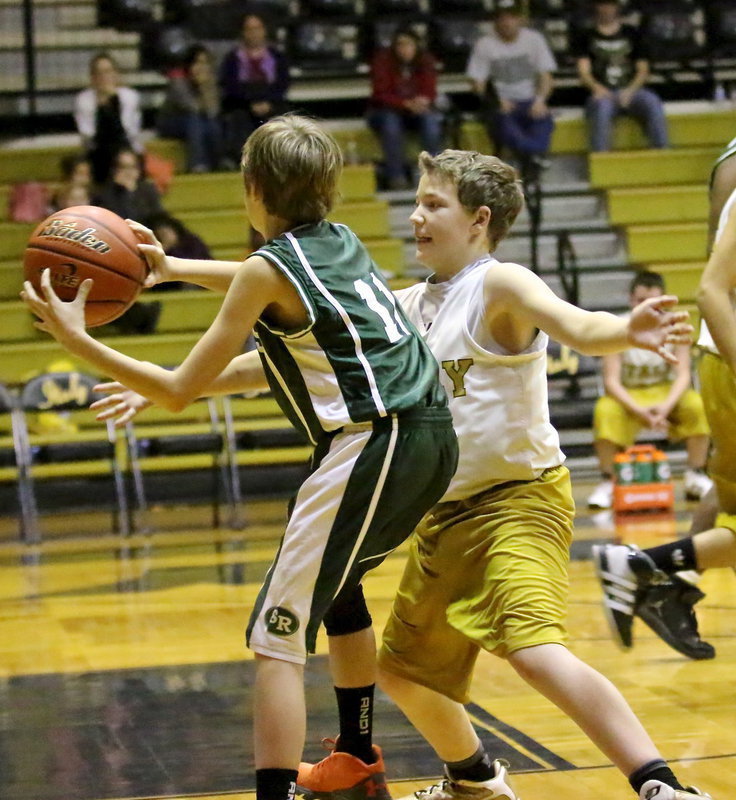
{"x":123,"y":671}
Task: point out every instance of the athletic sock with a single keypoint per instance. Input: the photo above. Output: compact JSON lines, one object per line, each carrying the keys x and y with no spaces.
{"x":653,"y":771}
{"x":674,"y":557}
{"x":275,"y":784}
{"x":478,"y":767}
{"x":355,"y":707}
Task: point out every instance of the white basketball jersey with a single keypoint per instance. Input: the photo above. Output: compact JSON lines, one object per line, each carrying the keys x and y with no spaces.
{"x":498,"y":400}
{"x":641,"y":367}
{"x":705,"y":340}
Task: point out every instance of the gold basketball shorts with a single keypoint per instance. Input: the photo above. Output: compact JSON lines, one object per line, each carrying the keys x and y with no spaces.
{"x":611,"y":421}
{"x":487,"y":572}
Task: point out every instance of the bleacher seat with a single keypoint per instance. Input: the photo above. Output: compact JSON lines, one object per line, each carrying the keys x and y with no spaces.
{"x":323,"y":47}
{"x":558,"y":32}
{"x":412,"y":8}
{"x":673,"y":32}
{"x":125,"y":15}
{"x":379,"y":32}
{"x":348,"y":10}
{"x":211,"y":19}
{"x":571,"y":396}
{"x":165,"y":46}
{"x":720,"y":26}
{"x":452,"y":39}
{"x":476,"y":8}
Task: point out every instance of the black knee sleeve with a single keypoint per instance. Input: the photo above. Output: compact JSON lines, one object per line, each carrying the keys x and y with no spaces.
{"x":348,"y":613}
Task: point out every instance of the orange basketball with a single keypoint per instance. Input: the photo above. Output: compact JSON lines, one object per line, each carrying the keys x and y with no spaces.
{"x":88,"y":242}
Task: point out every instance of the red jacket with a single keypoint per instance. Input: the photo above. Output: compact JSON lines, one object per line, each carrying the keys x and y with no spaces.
{"x":391,"y":84}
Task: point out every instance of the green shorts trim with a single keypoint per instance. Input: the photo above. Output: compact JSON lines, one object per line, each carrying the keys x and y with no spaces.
{"x":368,"y":490}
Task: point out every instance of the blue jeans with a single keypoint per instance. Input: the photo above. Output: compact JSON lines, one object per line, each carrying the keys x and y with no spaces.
{"x":391,"y":127}
{"x":203,"y":135}
{"x":645,"y":106}
{"x":520,"y":132}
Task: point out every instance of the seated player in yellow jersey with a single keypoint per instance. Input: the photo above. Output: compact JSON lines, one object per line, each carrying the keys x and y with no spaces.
{"x":644,"y":391}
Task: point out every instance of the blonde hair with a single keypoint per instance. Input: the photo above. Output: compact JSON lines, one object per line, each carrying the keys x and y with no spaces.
{"x":294,"y":165}
{"x":480,"y":180}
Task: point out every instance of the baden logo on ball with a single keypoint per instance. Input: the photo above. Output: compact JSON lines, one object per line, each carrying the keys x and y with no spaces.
{"x":88,"y":242}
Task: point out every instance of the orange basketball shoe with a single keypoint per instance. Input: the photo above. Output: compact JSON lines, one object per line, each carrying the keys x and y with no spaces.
{"x":341,"y":776}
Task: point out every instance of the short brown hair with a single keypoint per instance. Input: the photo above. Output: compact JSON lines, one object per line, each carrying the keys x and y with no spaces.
{"x":647,"y":279}
{"x":480,"y":180}
{"x":295,"y":165}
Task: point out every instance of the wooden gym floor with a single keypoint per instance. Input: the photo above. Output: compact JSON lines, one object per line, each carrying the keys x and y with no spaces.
{"x":123,"y":672}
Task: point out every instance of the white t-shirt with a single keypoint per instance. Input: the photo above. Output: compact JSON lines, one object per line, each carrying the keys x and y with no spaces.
{"x":85,"y":115}
{"x":498,"y":400}
{"x":513,"y":67}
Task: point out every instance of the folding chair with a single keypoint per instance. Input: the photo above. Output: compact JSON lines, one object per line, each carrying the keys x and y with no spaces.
{"x":10,"y":462}
{"x":195,"y":439}
{"x":89,"y":451}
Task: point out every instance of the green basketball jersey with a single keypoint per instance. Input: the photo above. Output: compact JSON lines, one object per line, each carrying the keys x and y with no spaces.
{"x":727,"y":153}
{"x":358,"y":358}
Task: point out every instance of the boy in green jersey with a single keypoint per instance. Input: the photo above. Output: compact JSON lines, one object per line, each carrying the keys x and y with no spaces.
{"x":349,"y":370}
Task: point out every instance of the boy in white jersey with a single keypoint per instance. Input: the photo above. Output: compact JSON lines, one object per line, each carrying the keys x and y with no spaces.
{"x":347,"y":368}
{"x":488,"y":566}
{"x":643,"y":390}
{"x":627,"y":573}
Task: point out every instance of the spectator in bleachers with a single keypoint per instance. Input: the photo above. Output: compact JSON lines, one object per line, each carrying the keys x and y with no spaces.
{"x":511,"y":71}
{"x":254,"y":80}
{"x":643,"y":391}
{"x":403,"y":93}
{"x":612,"y":63}
{"x":76,"y":186}
{"x":132,"y":196}
{"x":179,"y":242}
{"x":107,"y":115}
{"x":127,"y":192}
{"x":191,"y":110}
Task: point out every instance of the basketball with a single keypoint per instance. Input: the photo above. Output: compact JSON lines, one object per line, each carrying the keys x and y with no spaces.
{"x":88,"y":242}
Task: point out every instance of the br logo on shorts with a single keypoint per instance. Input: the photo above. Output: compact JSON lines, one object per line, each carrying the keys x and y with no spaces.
{"x":281,"y":622}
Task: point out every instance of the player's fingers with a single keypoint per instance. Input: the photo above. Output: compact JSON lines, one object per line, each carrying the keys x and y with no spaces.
{"x":121,"y":422}
{"x":29,"y":293}
{"x":667,"y":355}
{"x":84,"y":290}
{"x":141,"y":231}
{"x":663,"y":301}
{"x":42,"y":326}
{"x":104,"y":402}
{"x":109,"y":386}
{"x":46,"y":288}
{"x":683,"y":329}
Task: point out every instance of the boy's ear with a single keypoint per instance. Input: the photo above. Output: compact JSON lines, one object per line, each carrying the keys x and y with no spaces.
{"x":482,"y":217}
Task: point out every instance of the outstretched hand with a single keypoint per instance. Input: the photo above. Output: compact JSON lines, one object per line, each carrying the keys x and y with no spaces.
{"x":62,"y":320}
{"x":153,"y":251}
{"x":121,"y":404}
{"x":652,"y":326}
